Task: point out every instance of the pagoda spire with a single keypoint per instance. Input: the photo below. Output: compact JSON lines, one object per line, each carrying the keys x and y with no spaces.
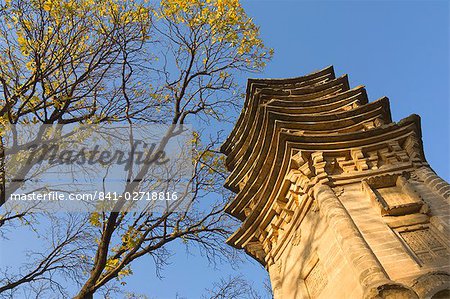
{"x":328,"y":188}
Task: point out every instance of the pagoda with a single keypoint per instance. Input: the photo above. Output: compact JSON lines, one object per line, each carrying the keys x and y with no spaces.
{"x":336,"y":200}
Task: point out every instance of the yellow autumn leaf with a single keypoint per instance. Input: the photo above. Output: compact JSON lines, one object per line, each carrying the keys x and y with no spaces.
{"x":47,"y":5}
{"x":21,"y":40}
{"x":94,"y":219}
{"x":30,"y":65}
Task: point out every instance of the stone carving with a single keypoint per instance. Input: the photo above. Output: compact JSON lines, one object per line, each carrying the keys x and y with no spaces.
{"x":297,"y":237}
{"x":346,"y":165}
{"x":279,"y":265}
{"x":413,"y":148}
{"x":394,"y":195}
{"x":316,"y":280}
{"x":431,"y":284}
{"x":415,"y":177}
{"x":315,"y":207}
{"x":311,"y":143}
{"x":426,"y":245}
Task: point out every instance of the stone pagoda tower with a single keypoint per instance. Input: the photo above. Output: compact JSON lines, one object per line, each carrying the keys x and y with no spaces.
{"x":335,"y":199}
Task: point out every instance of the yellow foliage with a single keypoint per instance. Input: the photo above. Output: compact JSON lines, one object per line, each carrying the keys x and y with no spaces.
{"x":94,"y":219}
{"x":111,"y":264}
{"x":48,"y":5}
{"x":124,"y":272}
{"x":225,"y":21}
{"x":69,"y":16}
{"x":21,"y":40}
{"x":131,"y":238}
{"x":30,"y":65}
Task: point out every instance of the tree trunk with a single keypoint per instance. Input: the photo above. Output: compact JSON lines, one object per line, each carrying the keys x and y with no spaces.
{"x":84,"y":294}
{"x":2,"y":173}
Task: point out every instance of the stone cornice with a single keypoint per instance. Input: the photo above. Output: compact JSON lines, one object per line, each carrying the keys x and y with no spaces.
{"x":358,"y":119}
{"x":323,"y":75}
{"x":270,"y":163}
{"x":318,"y":97}
{"x":324,"y":105}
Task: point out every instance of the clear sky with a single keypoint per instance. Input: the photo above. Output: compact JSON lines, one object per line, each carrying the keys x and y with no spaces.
{"x":396,"y":49}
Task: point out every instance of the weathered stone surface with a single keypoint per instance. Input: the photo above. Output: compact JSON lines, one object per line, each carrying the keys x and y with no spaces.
{"x":335,"y":199}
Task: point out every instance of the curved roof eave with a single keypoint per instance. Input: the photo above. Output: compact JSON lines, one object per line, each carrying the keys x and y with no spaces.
{"x":327,"y":72}
{"x":312,"y":143}
{"x":338,"y":121}
{"x":334,"y":89}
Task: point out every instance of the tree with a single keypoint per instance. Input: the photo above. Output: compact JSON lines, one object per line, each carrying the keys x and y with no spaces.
{"x":57,"y":57}
{"x":234,"y":287}
{"x":91,"y":62}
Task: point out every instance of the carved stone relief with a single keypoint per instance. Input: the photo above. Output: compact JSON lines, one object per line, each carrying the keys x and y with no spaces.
{"x":425,"y":244}
{"x":316,"y":280}
{"x":394,"y":195}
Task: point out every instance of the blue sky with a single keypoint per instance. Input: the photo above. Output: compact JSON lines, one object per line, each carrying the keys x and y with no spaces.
{"x":398,"y":49}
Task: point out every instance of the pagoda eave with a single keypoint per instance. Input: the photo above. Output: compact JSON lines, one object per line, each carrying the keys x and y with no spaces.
{"x":338,"y":123}
{"x":334,"y":144}
{"x":252,"y":84}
